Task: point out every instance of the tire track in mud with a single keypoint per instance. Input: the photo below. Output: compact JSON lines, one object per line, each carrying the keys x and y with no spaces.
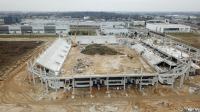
{"x":10,"y":90}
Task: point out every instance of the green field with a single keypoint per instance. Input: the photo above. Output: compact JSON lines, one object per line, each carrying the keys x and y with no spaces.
{"x":192,"y":39}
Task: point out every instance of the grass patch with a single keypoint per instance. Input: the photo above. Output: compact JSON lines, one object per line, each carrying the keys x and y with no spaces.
{"x":99,"y":49}
{"x":192,"y":39}
{"x":185,"y":34}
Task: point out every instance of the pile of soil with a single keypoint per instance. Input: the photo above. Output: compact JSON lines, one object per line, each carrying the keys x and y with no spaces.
{"x":99,"y":49}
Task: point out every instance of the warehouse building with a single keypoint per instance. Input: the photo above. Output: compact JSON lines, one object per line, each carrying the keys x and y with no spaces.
{"x":167,"y":28}
{"x":12,"y":20}
{"x":62,"y":29}
{"x":15,"y":29}
{"x":4,"y":30}
{"x":38,"y":29}
{"x":136,"y":23}
{"x":158,"y":21}
{"x":113,"y":28}
{"x":34,"y":29}
{"x":1,"y":21}
{"x":82,"y":26}
{"x":26,"y":29}
{"x":50,"y":29}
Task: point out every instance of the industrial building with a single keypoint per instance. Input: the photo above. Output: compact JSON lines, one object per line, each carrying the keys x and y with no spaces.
{"x":136,"y":23}
{"x":84,"y":26}
{"x":8,"y":20}
{"x":4,"y":30}
{"x":34,"y":29}
{"x":26,"y":29}
{"x":15,"y":29}
{"x":167,"y":28}
{"x":50,"y":29}
{"x":1,"y":21}
{"x":113,"y":28}
{"x":51,"y":26}
{"x":166,"y":21}
{"x":37,"y":29}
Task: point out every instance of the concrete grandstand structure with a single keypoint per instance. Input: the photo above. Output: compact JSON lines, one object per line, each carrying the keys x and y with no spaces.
{"x":170,"y":59}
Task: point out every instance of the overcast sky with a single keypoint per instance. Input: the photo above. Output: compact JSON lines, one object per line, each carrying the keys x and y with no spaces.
{"x":100,"y":5}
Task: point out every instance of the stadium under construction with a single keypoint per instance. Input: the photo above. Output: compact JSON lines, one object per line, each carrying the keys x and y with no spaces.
{"x":170,"y":60}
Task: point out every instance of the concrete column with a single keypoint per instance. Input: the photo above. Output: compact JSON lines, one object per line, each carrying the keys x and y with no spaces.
{"x":56,"y":82}
{"x":41,"y":77}
{"x":157,"y":82}
{"x":182,"y":80}
{"x":140,"y":83}
{"x":73,"y":84}
{"x":124,"y":84}
{"x":90,"y":86}
{"x":46,"y":84}
{"x":65,"y":85}
{"x":170,"y":64}
{"x":107,"y":84}
{"x":33,"y":76}
{"x":187,"y":75}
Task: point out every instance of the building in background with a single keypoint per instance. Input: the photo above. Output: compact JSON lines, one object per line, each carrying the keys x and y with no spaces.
{"x":12,"y":20}
{"x":81,"y":26}
{"x":168,"y":28}
{"x":50,"y":29}
{"x":1,"y":21}
{"x":4,"y":30}
{"x":15,"y":29}
{"x":166,"y":21}
{"x":26,"y":29}
{"x":132,"y":24}
{"x":38,"y":29}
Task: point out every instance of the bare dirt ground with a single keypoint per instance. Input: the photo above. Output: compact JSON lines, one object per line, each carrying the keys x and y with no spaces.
{"x":15,"y":51}
{"x":17,"y":94}
{"x":103,"y":64}
{"x":12,"y":51}
{"x":192,"y":39}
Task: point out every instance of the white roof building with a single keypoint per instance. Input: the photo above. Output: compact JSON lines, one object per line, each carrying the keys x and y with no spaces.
{"x":167,"y":28}
{"x":114,"y":31}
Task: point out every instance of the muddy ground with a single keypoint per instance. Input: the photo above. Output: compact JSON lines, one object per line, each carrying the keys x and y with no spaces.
{"x":12,"y":51}
{"x":18,"y":94}
{"x":126,"y":61}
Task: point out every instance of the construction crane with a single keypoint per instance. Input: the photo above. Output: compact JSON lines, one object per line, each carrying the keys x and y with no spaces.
{"x":74,"y":43}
